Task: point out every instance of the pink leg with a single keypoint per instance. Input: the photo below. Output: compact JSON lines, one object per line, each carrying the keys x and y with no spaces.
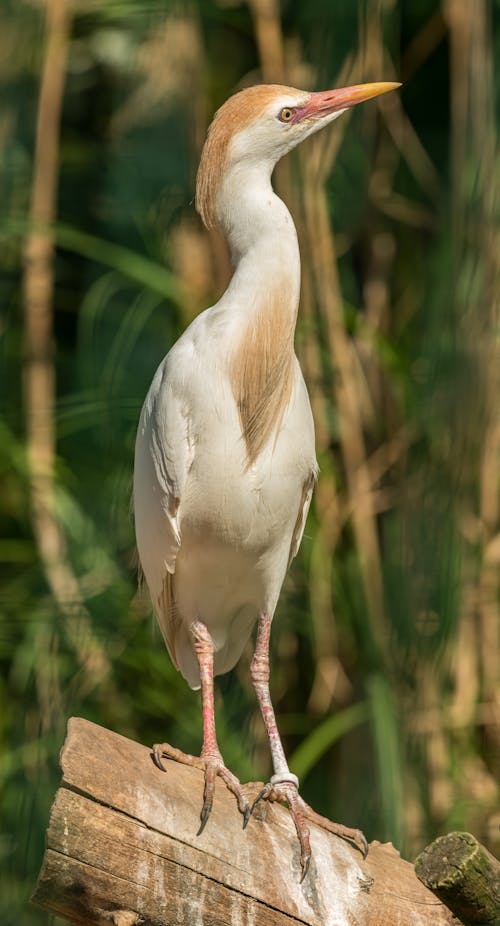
{"x":283,"y":786}
{"x":260,"y":673}
{"x":210,"y":760}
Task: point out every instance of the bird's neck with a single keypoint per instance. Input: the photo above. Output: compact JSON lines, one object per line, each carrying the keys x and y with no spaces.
{"x":263,"y":298}
{"x":260,"y":232}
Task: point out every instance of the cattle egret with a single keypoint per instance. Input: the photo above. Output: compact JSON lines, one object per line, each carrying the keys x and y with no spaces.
{"x":225,"y":462}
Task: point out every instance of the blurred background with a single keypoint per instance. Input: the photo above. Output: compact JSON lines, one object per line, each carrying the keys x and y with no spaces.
{"x":386,"y":640}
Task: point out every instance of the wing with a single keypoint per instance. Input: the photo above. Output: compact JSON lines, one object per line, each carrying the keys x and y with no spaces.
{"x":163,"y":456}
{"x":298,"y":531}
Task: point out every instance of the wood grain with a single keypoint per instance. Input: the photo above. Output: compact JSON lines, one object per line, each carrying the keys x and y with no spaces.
{"x":122,"y":849}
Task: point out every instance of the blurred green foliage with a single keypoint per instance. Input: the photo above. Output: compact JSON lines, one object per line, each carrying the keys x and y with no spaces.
{"x":393,"y":727}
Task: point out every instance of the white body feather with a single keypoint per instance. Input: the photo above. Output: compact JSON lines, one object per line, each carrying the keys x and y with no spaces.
{"x":234,"y":531}
{"x":218,"y":531}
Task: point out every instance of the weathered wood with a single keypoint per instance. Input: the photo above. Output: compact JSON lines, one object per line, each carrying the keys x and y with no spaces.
{"x":464,"y":875}
{"x":122,"y":849}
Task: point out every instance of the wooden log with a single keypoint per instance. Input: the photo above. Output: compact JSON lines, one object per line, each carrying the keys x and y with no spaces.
{"x":122,"y":849}
{"x":464,"y":875}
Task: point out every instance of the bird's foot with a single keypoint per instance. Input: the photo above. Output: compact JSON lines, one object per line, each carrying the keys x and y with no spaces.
{"x":284,"y":790}
{"x":212,"y":765}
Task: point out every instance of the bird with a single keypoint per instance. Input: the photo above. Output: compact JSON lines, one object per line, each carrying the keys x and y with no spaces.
{"x":225,"y":462}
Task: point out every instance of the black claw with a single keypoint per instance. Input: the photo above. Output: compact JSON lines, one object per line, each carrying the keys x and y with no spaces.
{"x":205,"y":813}
{"x":157,"y":759}
{"x":262,"y":793}
{"x":305,"y":862}
{"x":363,"y":845}
{"x":246,"y":815}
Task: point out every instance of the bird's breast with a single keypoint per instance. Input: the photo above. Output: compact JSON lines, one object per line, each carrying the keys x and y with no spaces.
{"x":250,"y":506}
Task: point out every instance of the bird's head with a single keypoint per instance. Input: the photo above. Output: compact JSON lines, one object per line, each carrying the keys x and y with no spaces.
{"x":257,"y":126}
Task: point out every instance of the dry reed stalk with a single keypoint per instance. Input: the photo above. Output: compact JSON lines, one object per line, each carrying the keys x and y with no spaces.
{"x":489,"y":499}
{"x":473,"y":128}
{"x":330,"y":679}
{"x":376,"y":61}
{"x":475,"y":243}
{"x":489,"y":577}
{"x":39,"y":368}
{"x":423,"y":44}
{"x":436,"y":744}
{"x":317,"y":165}
{"x":406,"y":140}
{"x":269,"y":38}
{"x":352,"y":443}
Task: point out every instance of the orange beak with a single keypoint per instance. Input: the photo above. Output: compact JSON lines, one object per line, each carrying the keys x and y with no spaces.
{"x":331,"y":101}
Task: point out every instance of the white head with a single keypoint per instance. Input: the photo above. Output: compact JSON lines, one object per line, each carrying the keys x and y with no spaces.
{"x":256,"y":127}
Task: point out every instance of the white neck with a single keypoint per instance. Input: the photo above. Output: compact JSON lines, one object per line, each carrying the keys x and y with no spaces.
{"x":261,"y":236}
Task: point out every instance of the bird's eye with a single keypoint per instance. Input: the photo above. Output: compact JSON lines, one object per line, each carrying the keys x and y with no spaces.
{"x":286,"y":114}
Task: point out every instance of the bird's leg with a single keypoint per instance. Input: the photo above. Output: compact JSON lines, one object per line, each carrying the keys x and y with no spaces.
{"x":210,"y":760}
{"x":210,"y":753}
{"x":283,"y":786}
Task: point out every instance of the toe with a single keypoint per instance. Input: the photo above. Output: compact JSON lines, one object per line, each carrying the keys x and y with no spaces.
{"x":212,"y":765}
{"x":305,"y":861}
{"x":246,"y":815}
{"x":263,"y":795}
{"x":208,"y":796}
{"x":360,"y":840}
{"x":166,"y":751}
{"x":302,"y":829}
{"x":234,"y":786}
{"x":157,"y":756}
{"x":337,"y":829}
{"x":287,"y":793}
